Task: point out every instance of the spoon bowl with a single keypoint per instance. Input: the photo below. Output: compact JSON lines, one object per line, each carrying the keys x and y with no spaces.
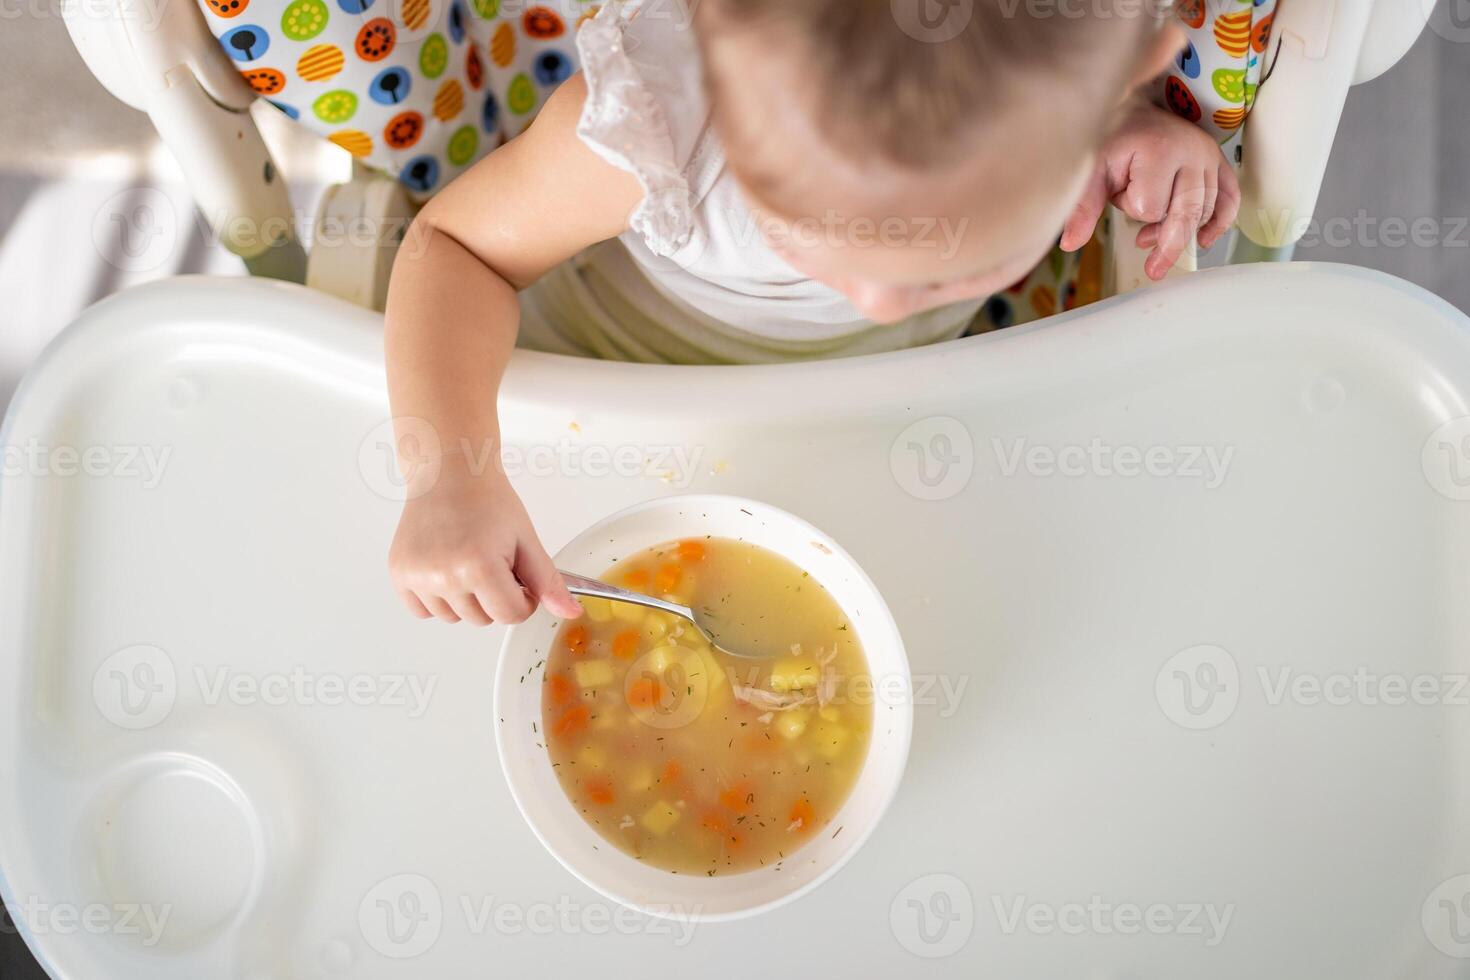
{"x":595,"y":588}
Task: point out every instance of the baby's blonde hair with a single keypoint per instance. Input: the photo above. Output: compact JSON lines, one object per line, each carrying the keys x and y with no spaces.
{"x":918,"y":92}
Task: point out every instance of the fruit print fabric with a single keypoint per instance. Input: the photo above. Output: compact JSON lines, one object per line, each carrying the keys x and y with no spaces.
{"x":1212,"y":84}
{"x":419,"y":89}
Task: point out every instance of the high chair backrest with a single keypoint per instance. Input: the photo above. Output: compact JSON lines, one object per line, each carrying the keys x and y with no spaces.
{"x":162,"y":59}
{"x":1319,"y":49}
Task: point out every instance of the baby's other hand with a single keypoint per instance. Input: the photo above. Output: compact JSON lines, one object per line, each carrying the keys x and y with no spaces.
{"x":1162,"y":170}
{"x":466,"y":550}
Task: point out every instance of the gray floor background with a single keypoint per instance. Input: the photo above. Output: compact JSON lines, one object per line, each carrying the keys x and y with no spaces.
{"x":1403,"y":153}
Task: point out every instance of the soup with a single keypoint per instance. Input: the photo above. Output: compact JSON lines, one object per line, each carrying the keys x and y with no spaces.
{"x":687,"y":758}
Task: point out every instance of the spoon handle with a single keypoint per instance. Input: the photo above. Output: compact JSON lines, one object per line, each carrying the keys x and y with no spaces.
{"x":582,"y":585}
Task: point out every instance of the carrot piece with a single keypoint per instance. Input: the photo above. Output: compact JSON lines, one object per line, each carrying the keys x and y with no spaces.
{"x":645,"y":692}
{"x":576,"y":640}
{"x":561,"y":689}
{"x":572,"y":721}
{"x":671,"y":771}
{"x":667,"y":579}
{"x":759,"y":743}
{"x":690,"y":551}
{"x":637,"y":579}
{"x":600,"y":791}
{"x":737,"y":797}
{"x":802,"y":811}
{"x":625,"y":645}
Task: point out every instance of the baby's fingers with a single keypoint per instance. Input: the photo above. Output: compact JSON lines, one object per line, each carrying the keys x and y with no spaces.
{"x":1084,"y":217}
{"x":540,"y":577}
{"x":469,"y":609}
{"x":414,"y":604}
{"x":1146,"y":194}
{"x":501,"y":596}
{"x":440,"y":608}
{"x":1227,"y":207}
{"x":1189,"y":205}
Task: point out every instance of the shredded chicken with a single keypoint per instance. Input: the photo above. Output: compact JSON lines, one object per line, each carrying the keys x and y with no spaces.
{"x":769,"y":700}
{"x":829,"y":679}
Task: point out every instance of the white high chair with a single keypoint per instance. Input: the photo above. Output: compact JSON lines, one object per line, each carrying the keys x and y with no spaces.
{"x":161,"y":59}
{"x":1319,"y":50}
{"x":1150,"y":667}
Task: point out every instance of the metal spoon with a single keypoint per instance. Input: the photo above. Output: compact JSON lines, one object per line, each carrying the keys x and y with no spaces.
{"x":582,"y":585}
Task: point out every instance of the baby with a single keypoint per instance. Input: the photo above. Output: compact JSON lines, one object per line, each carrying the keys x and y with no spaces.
{"x":788,"y":179}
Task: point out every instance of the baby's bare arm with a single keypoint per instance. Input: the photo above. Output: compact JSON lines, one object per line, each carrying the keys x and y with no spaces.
{"x":464,"y":545}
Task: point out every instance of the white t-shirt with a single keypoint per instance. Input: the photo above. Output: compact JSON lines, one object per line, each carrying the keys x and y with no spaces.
{"x":692,"y":280}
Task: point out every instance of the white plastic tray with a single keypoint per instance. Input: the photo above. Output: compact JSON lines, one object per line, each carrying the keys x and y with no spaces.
{"x":1079,"y":810}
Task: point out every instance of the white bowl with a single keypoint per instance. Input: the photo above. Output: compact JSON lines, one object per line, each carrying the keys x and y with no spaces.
{"x":580,"y":848}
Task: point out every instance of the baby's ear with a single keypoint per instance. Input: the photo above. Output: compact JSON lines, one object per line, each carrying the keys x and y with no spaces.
{"x":1158,"y":51}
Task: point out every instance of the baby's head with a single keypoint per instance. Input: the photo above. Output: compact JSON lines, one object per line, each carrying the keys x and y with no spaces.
{"x":909,"y":160}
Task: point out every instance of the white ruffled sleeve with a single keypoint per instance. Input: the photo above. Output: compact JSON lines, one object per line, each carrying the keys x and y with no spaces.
{"x":626,"y":122}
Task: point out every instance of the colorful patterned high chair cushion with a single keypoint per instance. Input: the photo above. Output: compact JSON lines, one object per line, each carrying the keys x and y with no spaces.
{"x":419,"y":89}
{"x":1213,"y":81}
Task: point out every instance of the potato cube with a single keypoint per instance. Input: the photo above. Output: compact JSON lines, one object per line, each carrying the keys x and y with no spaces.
{"x":655,"y":627}
{"x":597,"y":610}
{"x":592,"y":673}
{"x":592,"y":757}
{"x":794,"y":674}
{"x":830,"y":713}
{"x":660,"y":818}
{"x":664,"y":657}
{"x":628,"y":612}
{"x":791,"y":723}
{"x":693,"y":639}
{"x":641,"y":780}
